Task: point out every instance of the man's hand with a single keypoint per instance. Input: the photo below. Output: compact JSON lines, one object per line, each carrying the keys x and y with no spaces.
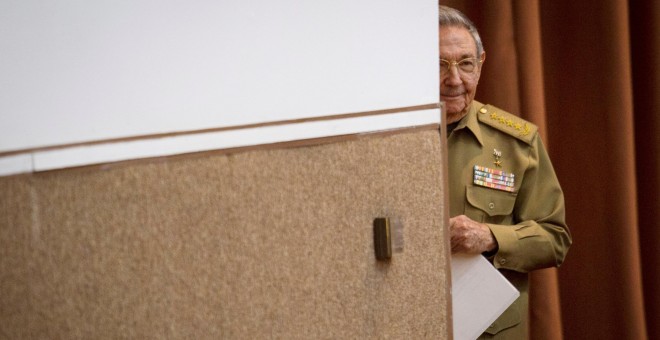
{"x":469,"y":236}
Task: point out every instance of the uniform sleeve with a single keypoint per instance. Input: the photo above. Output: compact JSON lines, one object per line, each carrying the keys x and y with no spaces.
{"x":541,"y":238}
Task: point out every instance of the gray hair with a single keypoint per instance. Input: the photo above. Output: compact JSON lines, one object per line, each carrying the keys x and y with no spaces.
{"x":452,"y":17}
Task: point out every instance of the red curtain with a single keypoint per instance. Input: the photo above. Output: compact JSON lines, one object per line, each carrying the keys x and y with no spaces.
{"x":588,"y":73}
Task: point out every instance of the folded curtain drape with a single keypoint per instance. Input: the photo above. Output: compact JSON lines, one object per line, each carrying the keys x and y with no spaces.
{"x":587,"y":73}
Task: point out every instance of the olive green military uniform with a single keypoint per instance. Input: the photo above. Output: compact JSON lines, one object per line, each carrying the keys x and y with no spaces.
{"x":500,"y":174}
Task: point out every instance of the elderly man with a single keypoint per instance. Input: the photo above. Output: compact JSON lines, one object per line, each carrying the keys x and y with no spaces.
{"x":505,"y":199}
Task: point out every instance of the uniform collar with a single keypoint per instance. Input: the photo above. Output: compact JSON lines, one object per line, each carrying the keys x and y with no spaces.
{"x":470,"y":121}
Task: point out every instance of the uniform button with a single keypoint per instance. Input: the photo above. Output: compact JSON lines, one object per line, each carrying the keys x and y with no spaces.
{"x":502,"y":261}
{"x":483,"y":110}
{"x":491,"y":205}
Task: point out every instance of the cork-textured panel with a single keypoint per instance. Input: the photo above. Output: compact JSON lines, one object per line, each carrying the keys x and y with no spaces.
{"x":262,"y":244}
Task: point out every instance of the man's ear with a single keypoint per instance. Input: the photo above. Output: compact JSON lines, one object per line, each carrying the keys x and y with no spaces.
{"x":483,"y":57}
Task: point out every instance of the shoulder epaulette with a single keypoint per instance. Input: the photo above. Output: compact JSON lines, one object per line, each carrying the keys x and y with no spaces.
{"x":507,"y":123}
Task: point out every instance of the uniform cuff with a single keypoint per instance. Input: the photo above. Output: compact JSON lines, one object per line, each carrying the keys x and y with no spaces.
{"x":507,"y":241}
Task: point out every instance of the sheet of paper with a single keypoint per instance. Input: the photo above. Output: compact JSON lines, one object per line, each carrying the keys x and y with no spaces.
{"x":480,"y":294}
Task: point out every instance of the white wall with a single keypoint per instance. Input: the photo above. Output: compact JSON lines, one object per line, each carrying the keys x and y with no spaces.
{"x":80,"y":71}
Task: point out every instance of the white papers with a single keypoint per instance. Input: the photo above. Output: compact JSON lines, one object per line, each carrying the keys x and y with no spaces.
{"x":480,"y":294}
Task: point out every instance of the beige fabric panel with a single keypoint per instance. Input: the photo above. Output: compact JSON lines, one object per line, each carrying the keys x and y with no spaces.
{"x":254,"y":245}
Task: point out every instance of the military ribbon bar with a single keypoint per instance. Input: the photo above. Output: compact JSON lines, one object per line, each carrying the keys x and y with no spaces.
{"x":494,"y":179}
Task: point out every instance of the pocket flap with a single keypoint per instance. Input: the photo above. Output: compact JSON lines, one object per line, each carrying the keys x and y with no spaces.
{"x":492,"y":202}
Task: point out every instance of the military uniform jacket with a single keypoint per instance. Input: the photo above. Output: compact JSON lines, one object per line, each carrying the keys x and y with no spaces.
{"x":500,"y":174}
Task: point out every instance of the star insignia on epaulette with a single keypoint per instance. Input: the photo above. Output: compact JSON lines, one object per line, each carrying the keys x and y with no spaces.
{"x":523,"y":129}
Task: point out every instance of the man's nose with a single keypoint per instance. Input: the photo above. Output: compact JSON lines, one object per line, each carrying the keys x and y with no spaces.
{"x":453,"y":77}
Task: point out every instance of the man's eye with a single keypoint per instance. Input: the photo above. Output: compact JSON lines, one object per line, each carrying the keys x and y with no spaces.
{"x":466,"y":63}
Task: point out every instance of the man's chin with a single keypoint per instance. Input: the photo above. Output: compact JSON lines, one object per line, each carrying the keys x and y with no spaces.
{"x":454,"y":108}
{"x":453,"y":101}
{"x":453,"y":117}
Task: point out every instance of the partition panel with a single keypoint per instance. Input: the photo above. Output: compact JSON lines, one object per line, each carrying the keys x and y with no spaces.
{"x":266,"y":243}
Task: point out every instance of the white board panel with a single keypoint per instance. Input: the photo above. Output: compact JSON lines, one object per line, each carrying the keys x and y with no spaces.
{"x":77,"y":71}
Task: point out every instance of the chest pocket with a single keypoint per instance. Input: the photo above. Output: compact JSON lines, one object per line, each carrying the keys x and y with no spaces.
{"x":489,"y":205}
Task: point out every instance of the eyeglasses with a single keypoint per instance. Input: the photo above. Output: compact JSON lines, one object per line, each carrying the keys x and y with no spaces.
{"x":467,"y":66}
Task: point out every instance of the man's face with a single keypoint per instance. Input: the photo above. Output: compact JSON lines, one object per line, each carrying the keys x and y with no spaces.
{"x":457,"y":89}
